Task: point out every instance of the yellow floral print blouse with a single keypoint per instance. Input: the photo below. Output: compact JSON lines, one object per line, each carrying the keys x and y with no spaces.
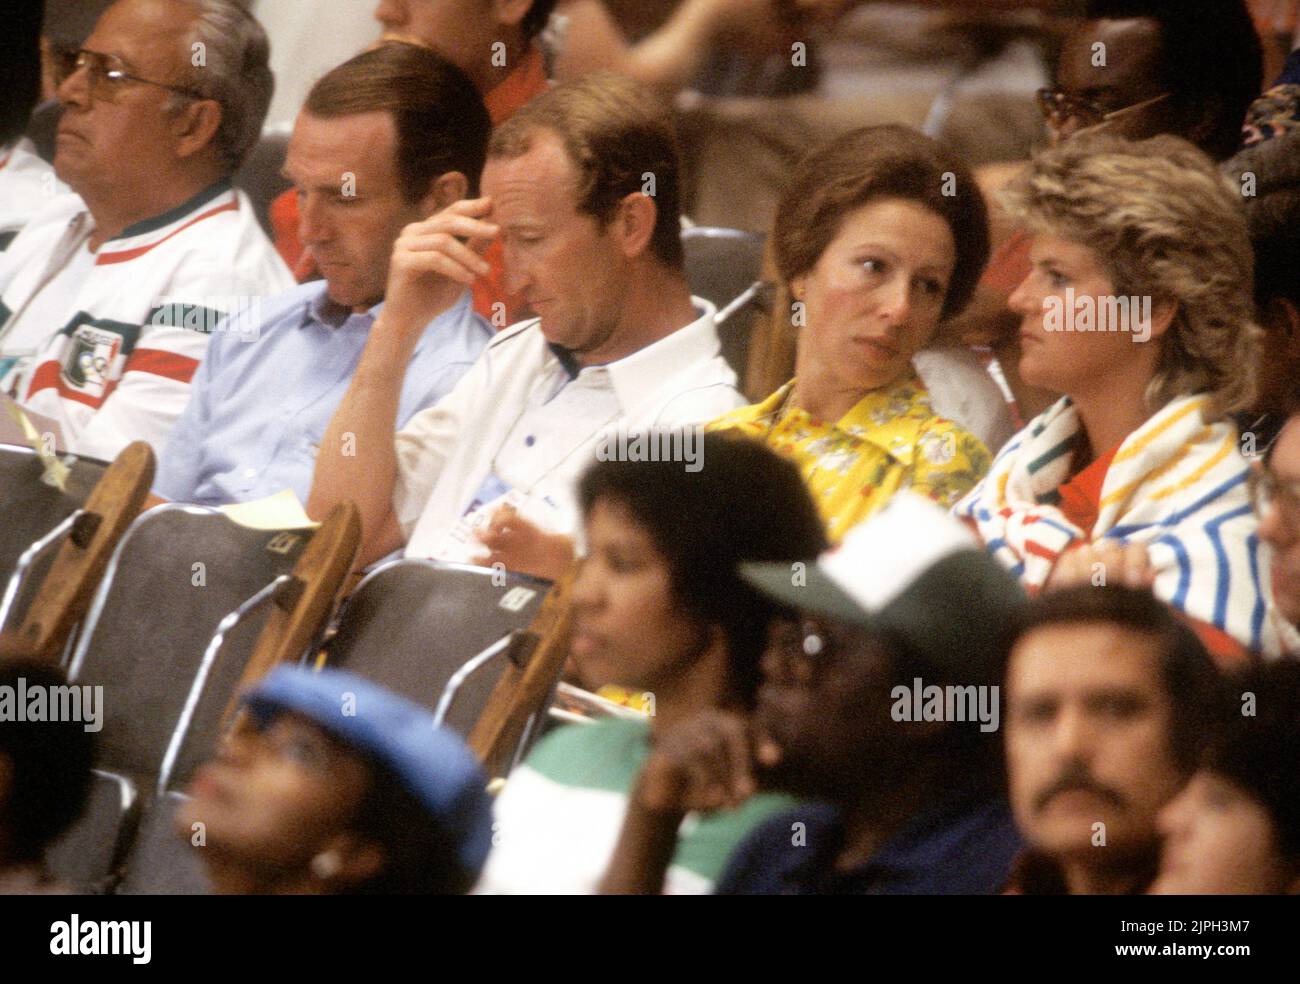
{"x":892,"y":440}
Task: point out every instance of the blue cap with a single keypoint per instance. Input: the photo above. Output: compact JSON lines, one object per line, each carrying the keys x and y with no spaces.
{"x":432,"y":763}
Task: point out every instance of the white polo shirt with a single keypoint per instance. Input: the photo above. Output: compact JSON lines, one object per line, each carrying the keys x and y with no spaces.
{"x":520,"y":428}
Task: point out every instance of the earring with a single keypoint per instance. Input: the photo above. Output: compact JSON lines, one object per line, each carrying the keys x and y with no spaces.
{"x":326,"y":865}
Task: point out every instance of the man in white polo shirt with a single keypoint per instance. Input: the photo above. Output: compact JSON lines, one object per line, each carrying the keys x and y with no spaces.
{"x":108,"y":297}
{"x":581,"y":187}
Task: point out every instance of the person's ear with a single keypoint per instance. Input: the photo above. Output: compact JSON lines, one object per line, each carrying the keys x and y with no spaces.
{"x":633,"y":224}
{"x":1162,"y":316}
{"x":510,"y":13}
{"x":443,"y":191}
{"x":196,"y":126}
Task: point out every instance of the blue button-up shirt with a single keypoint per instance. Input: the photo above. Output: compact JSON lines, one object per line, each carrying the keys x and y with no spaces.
{"x":265,"y":392}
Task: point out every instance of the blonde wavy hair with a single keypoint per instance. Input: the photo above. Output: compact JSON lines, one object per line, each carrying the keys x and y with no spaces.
{"x":1164,"y":223}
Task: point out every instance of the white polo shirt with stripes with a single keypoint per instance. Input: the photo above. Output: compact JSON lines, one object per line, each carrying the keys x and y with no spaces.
{"x":105,"y":343}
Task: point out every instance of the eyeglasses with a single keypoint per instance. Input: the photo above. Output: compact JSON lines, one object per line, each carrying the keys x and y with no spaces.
{"x":1059,"y":107}
{"x":1268,"y":491}
{"x":107,"y":75}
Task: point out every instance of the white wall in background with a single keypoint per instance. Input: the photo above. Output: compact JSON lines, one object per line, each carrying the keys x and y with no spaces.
{"x":308,"y":38}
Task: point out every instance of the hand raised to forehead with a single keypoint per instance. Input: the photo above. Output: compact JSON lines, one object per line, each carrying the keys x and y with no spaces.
{"x":435,"y":259}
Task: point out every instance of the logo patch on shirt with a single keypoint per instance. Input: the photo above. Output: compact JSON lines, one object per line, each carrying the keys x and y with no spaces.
{"x":89,"y":365}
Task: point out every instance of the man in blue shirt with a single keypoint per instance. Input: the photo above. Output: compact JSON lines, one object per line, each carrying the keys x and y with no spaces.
{"x":386,"y":139}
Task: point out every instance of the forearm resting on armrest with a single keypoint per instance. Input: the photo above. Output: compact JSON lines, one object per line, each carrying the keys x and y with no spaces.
{"x":357,"y":460}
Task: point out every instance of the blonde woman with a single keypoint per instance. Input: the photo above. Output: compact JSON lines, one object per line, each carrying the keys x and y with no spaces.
{"x":1138,"y":308}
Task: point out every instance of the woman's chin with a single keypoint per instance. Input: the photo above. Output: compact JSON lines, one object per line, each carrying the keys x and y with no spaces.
{"x":867,"y":376}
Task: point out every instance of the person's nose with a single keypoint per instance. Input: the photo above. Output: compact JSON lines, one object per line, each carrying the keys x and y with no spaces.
{"x":389,"y":13}
{"x":588,"y":586}
{"x":313,"y":223}
{"x":240,"y":746}
{"x":895,"y":300}
{"x":1072,"y":737}
{"x":74,"y":90}
{"x":1271,"y":528}
{"x":1025,"y":299}
{"x":518,"y":275}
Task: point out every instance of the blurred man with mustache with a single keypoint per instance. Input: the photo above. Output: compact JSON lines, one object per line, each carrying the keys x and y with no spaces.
{"x":1109,"y":699}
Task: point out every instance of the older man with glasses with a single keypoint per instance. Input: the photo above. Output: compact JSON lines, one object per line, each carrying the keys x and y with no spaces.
{"x":1275,"y":483}
{"x":108,"y":298}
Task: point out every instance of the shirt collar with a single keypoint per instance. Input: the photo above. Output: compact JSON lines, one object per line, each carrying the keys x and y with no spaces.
{"x":879,"y":418}
{"x":638,"y":377}
{"x":208,"y":194}
{"x":332,"y":316}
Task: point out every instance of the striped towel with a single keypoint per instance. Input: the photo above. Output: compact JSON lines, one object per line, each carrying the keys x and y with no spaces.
{"x":1176,"y":484}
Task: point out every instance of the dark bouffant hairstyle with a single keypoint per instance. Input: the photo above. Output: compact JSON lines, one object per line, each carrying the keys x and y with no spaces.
{"x":744,"y":504}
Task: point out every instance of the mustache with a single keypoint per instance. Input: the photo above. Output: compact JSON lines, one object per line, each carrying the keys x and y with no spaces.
{"x":1073,"y":780}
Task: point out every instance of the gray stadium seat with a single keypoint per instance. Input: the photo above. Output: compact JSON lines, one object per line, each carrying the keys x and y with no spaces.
{"x":411,"y":624}
{"x":260,"y":175}
{"x":29,"y":508}
{"x":162,"y":861}
{"x":153,"y":639}
{"x":724,"y":266}
{"x":176,"y":574}
{"x":83,"y":858}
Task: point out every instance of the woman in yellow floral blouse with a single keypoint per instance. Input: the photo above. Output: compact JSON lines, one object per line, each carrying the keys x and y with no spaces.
{"x":879,"y":236}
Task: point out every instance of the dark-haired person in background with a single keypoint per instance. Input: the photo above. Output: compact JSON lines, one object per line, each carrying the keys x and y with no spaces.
{"x":386,"y":139}
{"x":1109,"y":700}
{"x":44,"y":782}
{"x":334,"y":786}
{"x":1190,"y":68}
{"x":658,"y":606}
{"x":26,"y":181}
{"x":900,"y":800}
{"x":1235,"y":827}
